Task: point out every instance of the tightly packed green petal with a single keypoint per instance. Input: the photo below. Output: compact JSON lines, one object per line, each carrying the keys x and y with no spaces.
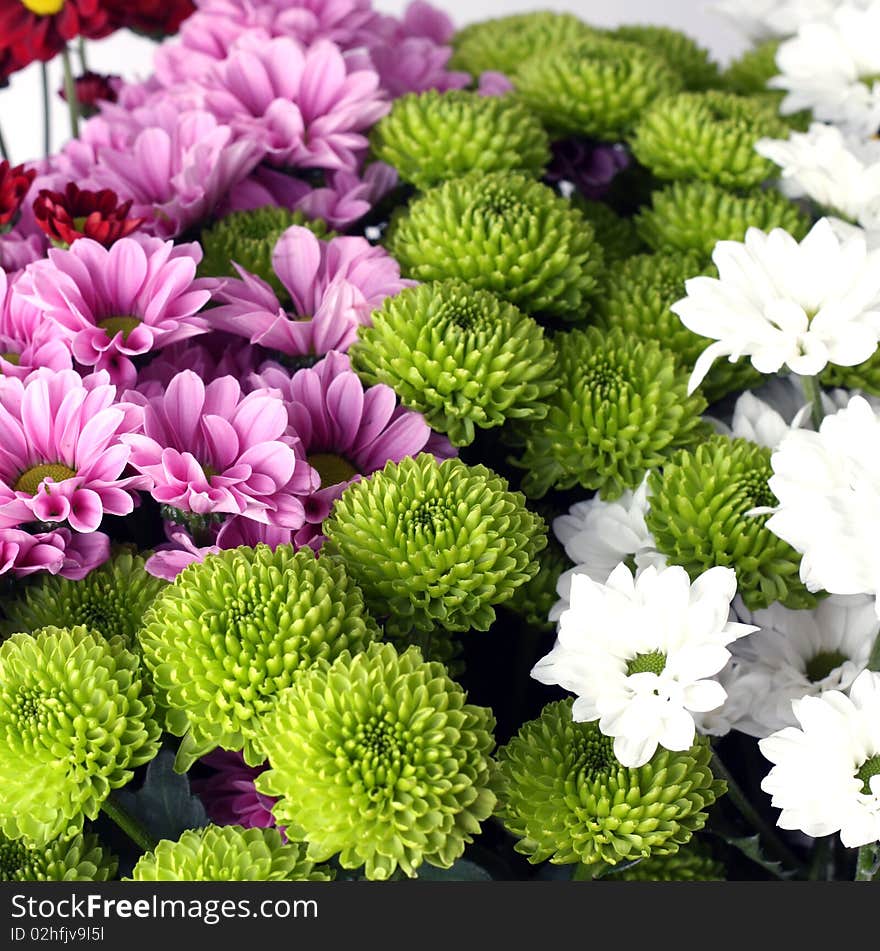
{"x":228,"y":854}
{"x":503,"y":233}
{"x":563,"y":793}
{"x":505,"y":43}
{"x":75,"y":720}
{"x":111,"y":600}
{"x":708,"y":136}
{"x":864,"y":376}
{"x":79,"y":859}
{"x":749,"y":74}
{"x":619,"y":409}
{"x":636,"y":297}
{"x":248,"y":238}
{"x":226,"y":638}
{"x":463,"y":357}
{"x":680,"y":51}
{"x":691,"y":863}
{"x":535,"y":598}
{"x":698,"y":518}
{"x":430,"y":137}
{"x":695,"y":216}
{"x":435,"y":544}
{"x":379,"y":758}
{"x":596,"y":87}
{"x":617,"y":236}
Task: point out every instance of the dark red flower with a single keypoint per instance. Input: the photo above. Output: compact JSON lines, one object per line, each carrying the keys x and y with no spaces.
{"x":39,"y":29}
{"x":14,"y":185}
{"x":75,"y":213}
{"x":92,"y":88}
{"x":155,"y":17}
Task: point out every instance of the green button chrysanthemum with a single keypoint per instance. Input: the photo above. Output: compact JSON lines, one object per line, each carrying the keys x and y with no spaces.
{"x":462,"y":357}
{"x":505,"y":43}
{"x":691,"y":863}
{"x":430,"y":137}
{"x":636,"y":297}
{"x":535,"y":598}
{"x":616,"y":235}
{"x":708,"y":136}
{"x":864,"y":376}
{"x":226,"y":638}
{"x":75,"y":720}
{"x":436,"y":544}
{"x":749,"y":74}
{"x":111,"y":600}
{"x":698,"y":518}
{"x":79,"y":859}
{"x":596,"y":87}
{"x":248,"y":238}
{"x":680,"y":51}
{"x":563,"y":793}
{"x":694,"y":216}
{"x":504,"y":233}
{"x":379,"y":758}
{"x":619,"y":409}
{"x":228,"y":854}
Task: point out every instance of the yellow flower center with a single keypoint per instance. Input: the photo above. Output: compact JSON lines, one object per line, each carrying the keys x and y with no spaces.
{"x":43,"y":8}
{"x":331,"y":468}
{"x":29,"y":481}
{"x":113,"y":325}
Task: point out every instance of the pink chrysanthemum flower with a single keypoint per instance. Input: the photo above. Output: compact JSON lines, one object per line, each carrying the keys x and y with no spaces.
{"x":61,"y":552}
{"x":28,"y":340}
{"x":415,"y":64}
{"x":229,"y":794}
{"x":209,"y":357}
{"x":309,"y":107}
{"x":346,"y":431}
{"x":116,"y":303}
{"x":334,"y":286}
{"x":209,"y":449}
{"x":61,"y":452}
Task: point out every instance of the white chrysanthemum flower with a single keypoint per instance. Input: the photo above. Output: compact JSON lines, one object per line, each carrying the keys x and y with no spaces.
{"x":831,"y":67}
{"x":766,"y":415}
{"x":845,"y":230}
{"x":786,"y":304}
{"x":640,"y":654}
{"x":828,"y":488}
{"x":839,"y":172}
{"x":598,"y":535}
{"x":800,"y":654}
{"x":768,"y":19}
{"x":826,"y":776}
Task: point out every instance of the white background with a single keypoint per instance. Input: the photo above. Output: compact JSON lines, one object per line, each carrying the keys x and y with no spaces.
{"x":129,"y":55}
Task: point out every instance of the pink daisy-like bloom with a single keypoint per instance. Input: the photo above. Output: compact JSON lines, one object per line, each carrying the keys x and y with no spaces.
{"x":209,"y":357}
{"x":415,"y":64}
{"x":28,"y":340}
{"x":346,"y":431}
{"x":61,"y":552}
{"x":334,"y":286}
{"x":116,"y":303}
{"x":209,"y":449}
{"x":61,"y":452}
{"x":309,"y":107}
{"x":230,"y":796}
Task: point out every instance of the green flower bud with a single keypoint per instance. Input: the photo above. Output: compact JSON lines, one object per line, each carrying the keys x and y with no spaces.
{"x":691,"y":863}
{"x":680,"y":51}
{"x":80,"y":859}
{"x":617,"y":236}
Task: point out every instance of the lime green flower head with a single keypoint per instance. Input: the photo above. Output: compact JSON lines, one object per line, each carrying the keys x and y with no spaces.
{"x":79,"y":859}
{"x":617,"y":236}
{"x":681,"y":52}
{"x":864,"y":376}
{"x":695,"y":216}
{"x":503,"y":44}
{"x":226,"y":638}
{"x":435,"y":544}
{"x":228,"y":854}
{"x":379,"y":759}
{"x":463,"y":357}
{"x":430,"y":137}
{"x":75,"y":720}
{"x":111,"y":600}
{"x":708,"y":136}
{"x":564,"y":795}
{"x":698,"y":518}
{"x":505,"y":233}
{"x":691,"y":863}
{"x":619,"y":409}
{"x":597,"y":87}
{"x":749,"y":74}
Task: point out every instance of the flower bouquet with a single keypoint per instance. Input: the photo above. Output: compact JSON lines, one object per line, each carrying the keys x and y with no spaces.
{"x":442,"y":454}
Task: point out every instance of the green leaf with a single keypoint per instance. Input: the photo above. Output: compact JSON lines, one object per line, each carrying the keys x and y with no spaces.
{"x":750,"y":846}
{"x":164,"y":805}
{"x":461,"y":871}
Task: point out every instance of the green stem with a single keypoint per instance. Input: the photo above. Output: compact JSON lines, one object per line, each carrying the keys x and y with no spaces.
{"x":70,"y":93}
{"x":47,"y":110}
{"x":813,"y":393}
{"x":866,"y":863}
{"x":823,"y":858}
{"x":129,"y":825}
{"x":768,"y":835}
{"x":81,"y":49}
{"x":4,"y":152}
